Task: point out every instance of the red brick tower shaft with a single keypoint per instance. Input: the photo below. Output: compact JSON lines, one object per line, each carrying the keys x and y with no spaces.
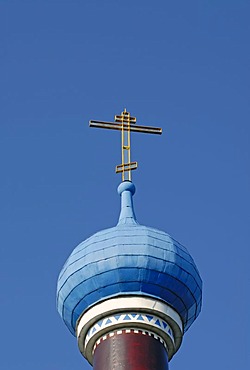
{"x":130,"y":351}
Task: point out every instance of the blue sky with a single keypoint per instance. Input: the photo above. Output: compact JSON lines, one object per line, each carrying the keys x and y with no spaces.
{"x":181,"y":65}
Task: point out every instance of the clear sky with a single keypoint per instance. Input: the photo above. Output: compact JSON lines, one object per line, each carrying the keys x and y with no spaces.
{"x":182,"y":65}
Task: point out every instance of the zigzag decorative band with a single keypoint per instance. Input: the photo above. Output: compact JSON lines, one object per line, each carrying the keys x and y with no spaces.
{"x":142,"y":314}
{"x":128,"y":331}
{"x":131,"y":319}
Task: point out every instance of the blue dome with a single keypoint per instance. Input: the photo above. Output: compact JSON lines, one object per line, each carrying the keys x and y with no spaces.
{"x":129,"y":259}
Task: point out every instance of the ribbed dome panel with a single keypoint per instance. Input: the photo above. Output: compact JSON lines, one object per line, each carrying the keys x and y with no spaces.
{"x":129,"y":259}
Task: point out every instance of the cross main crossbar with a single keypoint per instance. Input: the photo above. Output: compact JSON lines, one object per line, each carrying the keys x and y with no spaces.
{"x":126,"y":127}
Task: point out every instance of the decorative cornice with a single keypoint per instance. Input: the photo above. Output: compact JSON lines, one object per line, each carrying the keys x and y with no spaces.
{"x":129,"y":313}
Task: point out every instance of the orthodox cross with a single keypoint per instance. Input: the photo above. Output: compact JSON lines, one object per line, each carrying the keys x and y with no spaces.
{"x":126,"y":124}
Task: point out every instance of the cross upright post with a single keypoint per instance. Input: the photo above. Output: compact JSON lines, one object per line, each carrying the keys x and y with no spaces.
{"x":126,"y":123}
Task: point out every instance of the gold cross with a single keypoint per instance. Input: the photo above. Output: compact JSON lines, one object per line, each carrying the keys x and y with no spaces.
{"x":126,"y":124}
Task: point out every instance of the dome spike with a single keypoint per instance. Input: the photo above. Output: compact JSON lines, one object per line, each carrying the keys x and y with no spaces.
{"x":126,"y":190}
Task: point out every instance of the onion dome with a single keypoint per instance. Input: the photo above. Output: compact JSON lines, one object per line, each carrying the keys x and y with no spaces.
{"x":129,"y":260}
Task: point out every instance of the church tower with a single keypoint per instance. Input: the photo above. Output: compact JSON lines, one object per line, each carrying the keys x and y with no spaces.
{"x":130,"y":292}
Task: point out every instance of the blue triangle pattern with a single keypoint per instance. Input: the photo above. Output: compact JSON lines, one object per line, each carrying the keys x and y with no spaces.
{"x":108,"y":321}
{"x":140,"y":318}
{"x":93,"y":330}
{"x":100,"y":323}
{"x":164,"y":324}
{"x":127,"y":317}
{"x":149,"y":317}
{"x":133,"y":314}
{"x":117,"y":317}
{"x":158,"y":323}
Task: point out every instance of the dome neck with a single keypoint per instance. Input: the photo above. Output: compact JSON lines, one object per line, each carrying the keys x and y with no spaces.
{"x":127,"y":215}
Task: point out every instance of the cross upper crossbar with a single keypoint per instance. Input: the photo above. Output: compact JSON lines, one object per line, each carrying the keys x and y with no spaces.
{"x":126,"y":127}
{"x":125,"y":123}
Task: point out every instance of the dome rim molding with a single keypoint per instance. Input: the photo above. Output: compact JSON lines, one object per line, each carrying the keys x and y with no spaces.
{"x":123,"y":304}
